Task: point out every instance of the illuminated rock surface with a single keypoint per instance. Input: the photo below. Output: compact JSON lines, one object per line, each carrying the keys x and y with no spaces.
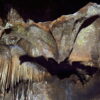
{"x":54,"y":60}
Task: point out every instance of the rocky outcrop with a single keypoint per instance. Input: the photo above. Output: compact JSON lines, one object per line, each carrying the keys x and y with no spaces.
{"x":69,"y":47}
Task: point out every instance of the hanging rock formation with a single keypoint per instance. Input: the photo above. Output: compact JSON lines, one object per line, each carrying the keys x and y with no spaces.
{"x":34,"y":57}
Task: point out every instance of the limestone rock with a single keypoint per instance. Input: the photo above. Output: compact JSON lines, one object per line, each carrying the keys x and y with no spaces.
{"x":70,"y":38}
{"x":66,"y":28}
{"x":14,"y":17}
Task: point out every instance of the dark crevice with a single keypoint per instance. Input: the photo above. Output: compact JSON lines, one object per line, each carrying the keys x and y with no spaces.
{"x":8,"y":31}
{"x":63,"y":69}
{"x":88,"y":22}
{"x":85,"y":24}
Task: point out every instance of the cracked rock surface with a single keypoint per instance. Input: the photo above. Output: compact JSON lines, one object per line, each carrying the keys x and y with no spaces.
{"x":53,"y":60}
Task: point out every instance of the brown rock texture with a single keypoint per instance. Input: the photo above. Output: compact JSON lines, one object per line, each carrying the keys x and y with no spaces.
{"x":30,"y":52}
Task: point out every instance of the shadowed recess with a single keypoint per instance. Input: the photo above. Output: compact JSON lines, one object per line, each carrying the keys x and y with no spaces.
{"x":62,"y":70}
{"x":39,"y":10}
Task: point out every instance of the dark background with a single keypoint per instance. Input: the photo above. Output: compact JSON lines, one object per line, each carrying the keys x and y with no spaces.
{"x":42,"y":10}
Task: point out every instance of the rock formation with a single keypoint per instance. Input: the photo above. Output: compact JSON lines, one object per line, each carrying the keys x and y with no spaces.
{"x":54,"y":60}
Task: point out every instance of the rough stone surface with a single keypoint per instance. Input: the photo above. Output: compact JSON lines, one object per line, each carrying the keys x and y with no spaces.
{"x":53,"y":60}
